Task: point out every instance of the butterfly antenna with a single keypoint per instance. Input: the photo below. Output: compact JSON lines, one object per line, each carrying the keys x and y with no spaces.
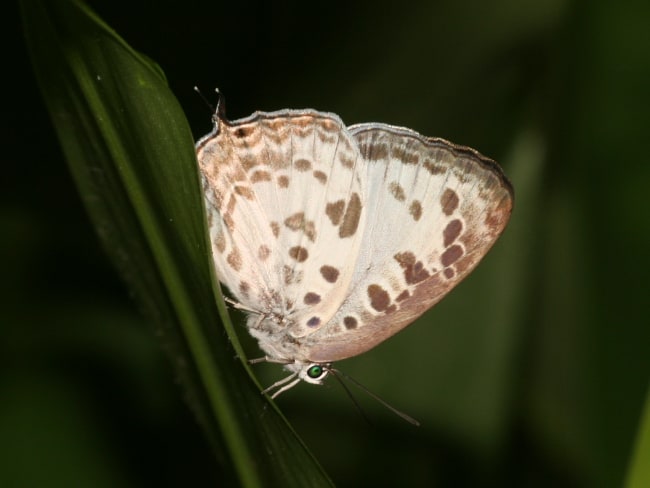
{"x":406,"y":417}
{"x":221,"y":104}
{"x":220,"y":111}
{"x":350,"y":395}
{"x":205,"y":100}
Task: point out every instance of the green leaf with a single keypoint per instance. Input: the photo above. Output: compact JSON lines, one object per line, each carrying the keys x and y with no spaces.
{"x":131,"y":153}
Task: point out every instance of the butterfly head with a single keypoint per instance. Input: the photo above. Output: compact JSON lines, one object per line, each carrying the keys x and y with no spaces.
{"x":313,"y":373}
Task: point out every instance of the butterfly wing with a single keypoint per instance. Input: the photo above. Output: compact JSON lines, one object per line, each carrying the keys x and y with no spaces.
{"x":432,"y":211}
{"x":283,"y":198}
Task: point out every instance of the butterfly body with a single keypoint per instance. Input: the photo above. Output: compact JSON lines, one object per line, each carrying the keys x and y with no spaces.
{"x":334,"y":237}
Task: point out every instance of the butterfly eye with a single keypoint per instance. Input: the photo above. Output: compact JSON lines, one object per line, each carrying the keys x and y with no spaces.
{"x":315,"y":372}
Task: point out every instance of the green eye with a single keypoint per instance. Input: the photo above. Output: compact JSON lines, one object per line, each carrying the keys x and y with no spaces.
{"x":315,"y":372}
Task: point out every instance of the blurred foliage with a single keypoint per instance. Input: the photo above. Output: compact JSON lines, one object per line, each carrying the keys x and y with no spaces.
{"x":532,"y":373}
{"x":638,"y":475}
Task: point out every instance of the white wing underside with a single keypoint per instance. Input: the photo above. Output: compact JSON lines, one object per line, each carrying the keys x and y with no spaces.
{"x":340,"y":237}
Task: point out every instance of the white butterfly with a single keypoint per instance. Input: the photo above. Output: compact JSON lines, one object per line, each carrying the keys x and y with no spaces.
{"x":335,"y":238}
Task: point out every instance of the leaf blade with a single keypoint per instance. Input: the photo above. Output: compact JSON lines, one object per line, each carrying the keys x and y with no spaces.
{"x":129,"y":149}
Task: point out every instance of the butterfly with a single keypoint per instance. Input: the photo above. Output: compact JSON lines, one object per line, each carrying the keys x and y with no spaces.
{"x":334,"y":238}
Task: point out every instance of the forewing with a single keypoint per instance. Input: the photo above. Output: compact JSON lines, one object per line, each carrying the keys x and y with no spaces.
{"x":433,"y":210}
{"x":284,"y":204}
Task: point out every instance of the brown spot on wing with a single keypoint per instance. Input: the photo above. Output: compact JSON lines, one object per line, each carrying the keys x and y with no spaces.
{"x":452,"y":231}
{"x":258,"y":176}
{"x":449,"y":201}
{"x":232,"y":203}
{"x":397,"y":191}
{"x":433,"y":168}
{"x":350,"y":322}
{"x":263,"y":252}
{"x":414,"y":270}
{"x":243,"y":131}
{"x":275,"y":228}
{"x":346,"y":161}
{"x":283,"y":181}
{"x":329,"y":273}
{"x":299,"y":253}
{"x":320,"y":176}
{"x":313,"y":322}
{"x":330,"y":125}
{"x":311,"y":298}
{"x":229,"y":221}
{"x":244,"y":191}
{"x":302,"y":164}
{"x":351,"y":217}
{"x":298,"y":222}
{"x":247,"y":162}
{"x":415,"y":210}
{"x":295,"y":221}
{"x":406,"y":157}
{"x":335,"y":211}
{"x":379,"y":298}
{"x":375,"y":152}
{"x":234,"y":260}
{"x":451,"y":255}
{"x":325,"y":138}
{"x":244,"y":288}
{"x":290,"y":276}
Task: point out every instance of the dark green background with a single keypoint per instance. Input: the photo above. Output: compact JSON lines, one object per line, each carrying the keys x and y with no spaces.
{"x":532,"y":373}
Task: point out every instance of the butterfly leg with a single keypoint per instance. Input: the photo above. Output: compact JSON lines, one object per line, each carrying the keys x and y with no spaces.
{"x":267,"y":359}
{"x":285,"y":388}
{"x":239,"y":306}
{"x":281,"y":383}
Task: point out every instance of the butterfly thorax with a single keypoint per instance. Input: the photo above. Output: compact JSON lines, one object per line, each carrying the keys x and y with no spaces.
{"x":274,"y":338}
{"x":272,"y":331}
